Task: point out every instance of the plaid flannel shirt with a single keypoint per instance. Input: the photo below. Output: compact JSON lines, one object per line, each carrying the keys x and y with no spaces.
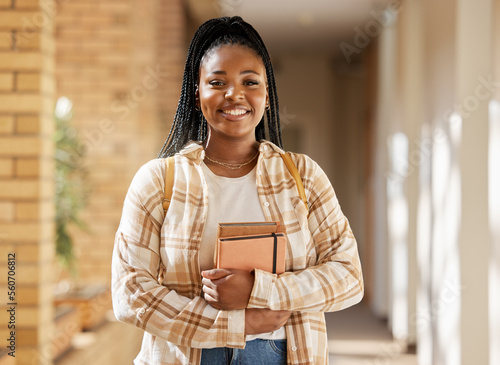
{"x":323,"y":271}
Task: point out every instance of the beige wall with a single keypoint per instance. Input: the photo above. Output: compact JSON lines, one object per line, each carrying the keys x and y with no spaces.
{"x":347,"y":140}
{"x":321,"y":109}
{"x":306,"y":107}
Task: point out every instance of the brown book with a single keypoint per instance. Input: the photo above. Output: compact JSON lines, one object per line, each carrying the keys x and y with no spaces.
{"x":247,"y":228}
{"x":260,"y":251}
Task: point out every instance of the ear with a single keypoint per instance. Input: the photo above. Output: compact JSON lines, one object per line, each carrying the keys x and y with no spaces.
{"x":197,"y":98}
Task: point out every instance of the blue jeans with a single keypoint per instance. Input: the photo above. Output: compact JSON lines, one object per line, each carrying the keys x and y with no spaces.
{"x":256,"y":352}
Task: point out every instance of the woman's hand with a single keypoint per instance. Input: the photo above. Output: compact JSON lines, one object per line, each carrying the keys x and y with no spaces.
{"x":264,"y":320}
{"x":227,"y":289}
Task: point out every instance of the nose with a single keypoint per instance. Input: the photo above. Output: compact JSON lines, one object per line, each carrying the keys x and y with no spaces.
{"x":234,"y":92}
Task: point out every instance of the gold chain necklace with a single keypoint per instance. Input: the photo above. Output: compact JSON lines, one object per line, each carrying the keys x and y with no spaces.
{"x":232,"y":166}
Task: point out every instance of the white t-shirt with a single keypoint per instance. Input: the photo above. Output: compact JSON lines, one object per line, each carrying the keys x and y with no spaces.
{"x":231,"y":200}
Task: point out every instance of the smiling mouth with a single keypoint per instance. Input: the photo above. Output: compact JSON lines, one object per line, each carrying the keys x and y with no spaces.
{"x":235,"y":112}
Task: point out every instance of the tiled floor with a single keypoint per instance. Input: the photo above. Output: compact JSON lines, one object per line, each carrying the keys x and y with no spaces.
{"x":357,"y":337}
{"x":112,"y":343}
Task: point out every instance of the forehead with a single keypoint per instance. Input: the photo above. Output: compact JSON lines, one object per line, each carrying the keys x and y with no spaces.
{"x":230,"y":57}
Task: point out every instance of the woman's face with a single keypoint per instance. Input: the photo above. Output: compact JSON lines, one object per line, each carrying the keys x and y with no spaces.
{"x":232,"y":92}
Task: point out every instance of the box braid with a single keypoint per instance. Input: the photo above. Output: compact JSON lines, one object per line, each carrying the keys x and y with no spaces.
{"x":189,"y":124}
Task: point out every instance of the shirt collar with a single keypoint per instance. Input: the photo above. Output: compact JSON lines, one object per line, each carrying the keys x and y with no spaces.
{"x":266,"y":148}
{"x":194,"y":151}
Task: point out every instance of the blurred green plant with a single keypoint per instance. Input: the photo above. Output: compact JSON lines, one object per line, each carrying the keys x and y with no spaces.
{"x":72,"y":191}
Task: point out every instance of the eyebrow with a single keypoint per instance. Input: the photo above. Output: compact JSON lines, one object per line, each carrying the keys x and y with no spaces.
{"x":241,"y":73}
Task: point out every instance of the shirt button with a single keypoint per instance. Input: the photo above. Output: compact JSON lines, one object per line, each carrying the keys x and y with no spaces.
{"x":266,"y":204}
{"x":294,"y":348}
{"x":141,"y":312}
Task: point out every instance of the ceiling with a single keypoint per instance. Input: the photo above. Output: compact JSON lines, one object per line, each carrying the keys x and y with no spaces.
{"x":312,"y":25}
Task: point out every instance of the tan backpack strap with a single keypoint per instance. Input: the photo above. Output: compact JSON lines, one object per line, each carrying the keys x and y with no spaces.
{"x":167,"y":195}
{"x":169,"y":182}
{"x":298,"y":180}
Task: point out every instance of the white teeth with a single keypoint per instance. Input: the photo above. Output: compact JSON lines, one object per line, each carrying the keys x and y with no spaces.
{"x":235,"y":111}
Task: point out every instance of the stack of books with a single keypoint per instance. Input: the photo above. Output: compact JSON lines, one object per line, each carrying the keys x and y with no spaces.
{"x":251,"y":245}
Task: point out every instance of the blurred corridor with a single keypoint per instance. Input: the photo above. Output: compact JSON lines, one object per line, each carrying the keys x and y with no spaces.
{"x":397,"y":100}
{"x":356,"y":336}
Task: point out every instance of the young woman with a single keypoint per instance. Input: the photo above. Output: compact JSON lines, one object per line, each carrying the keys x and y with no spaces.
{"x":228,"y":170}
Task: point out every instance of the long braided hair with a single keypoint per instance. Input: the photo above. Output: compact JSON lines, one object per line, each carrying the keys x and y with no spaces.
{"x":189,"y":124}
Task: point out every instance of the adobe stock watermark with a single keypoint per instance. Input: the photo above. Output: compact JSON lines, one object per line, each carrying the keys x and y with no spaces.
{"x":484,"y":90}
{"x":150,"y":81}
{"x":31,"y":26}
{"x":229,"y":7}
{"x":373,"y":27}
{"x":121,"y":109}
{"x":423,"y":318}
{"x":58,"y":340}
{"x":389,"y":352}
{"x":285,"y":117}
{"x":449,"y":294}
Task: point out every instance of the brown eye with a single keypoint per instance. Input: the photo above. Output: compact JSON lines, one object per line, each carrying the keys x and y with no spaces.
{"x":252,"y":82}
{"x":216,"y":83}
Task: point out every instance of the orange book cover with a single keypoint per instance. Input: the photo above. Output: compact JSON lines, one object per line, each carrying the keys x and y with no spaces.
{"x":260,"y":251}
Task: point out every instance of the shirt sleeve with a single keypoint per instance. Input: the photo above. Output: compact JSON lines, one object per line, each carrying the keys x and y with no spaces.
{"x":138,"y":298}
{"x":336,"y":281}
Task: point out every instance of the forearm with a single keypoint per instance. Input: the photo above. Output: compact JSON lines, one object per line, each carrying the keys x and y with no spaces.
{"x":324,"y":288}
{"x":264,"y":320}
{"x":139,"y":300}
{"x":334,"y":283}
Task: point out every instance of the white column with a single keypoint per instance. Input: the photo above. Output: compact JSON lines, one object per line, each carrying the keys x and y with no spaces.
{"x":473,"y":55}
{"x":411,"y":91}
{"x":386,"y":64}
{"x":494,"y":195}
{"x":438,"y":316}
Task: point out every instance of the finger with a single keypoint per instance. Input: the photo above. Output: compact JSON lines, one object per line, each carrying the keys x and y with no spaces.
{"x":211,"y":293}
{"x":212,"y":302}
{"x":221,"y":280}
{"x":208,"y":283}
{"x":209,"y":298}
{"x":215,"y":273}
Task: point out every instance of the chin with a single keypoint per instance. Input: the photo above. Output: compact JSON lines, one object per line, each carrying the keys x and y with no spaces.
{"x":234,"y":131}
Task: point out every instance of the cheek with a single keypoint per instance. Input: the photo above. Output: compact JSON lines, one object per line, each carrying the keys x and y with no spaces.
{"x":208,"y":99}
{"x":259,"y":100}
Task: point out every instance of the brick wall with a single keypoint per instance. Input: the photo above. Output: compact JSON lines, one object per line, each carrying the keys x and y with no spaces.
{"x":26,"y":173}
{"x":121,"y":64}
